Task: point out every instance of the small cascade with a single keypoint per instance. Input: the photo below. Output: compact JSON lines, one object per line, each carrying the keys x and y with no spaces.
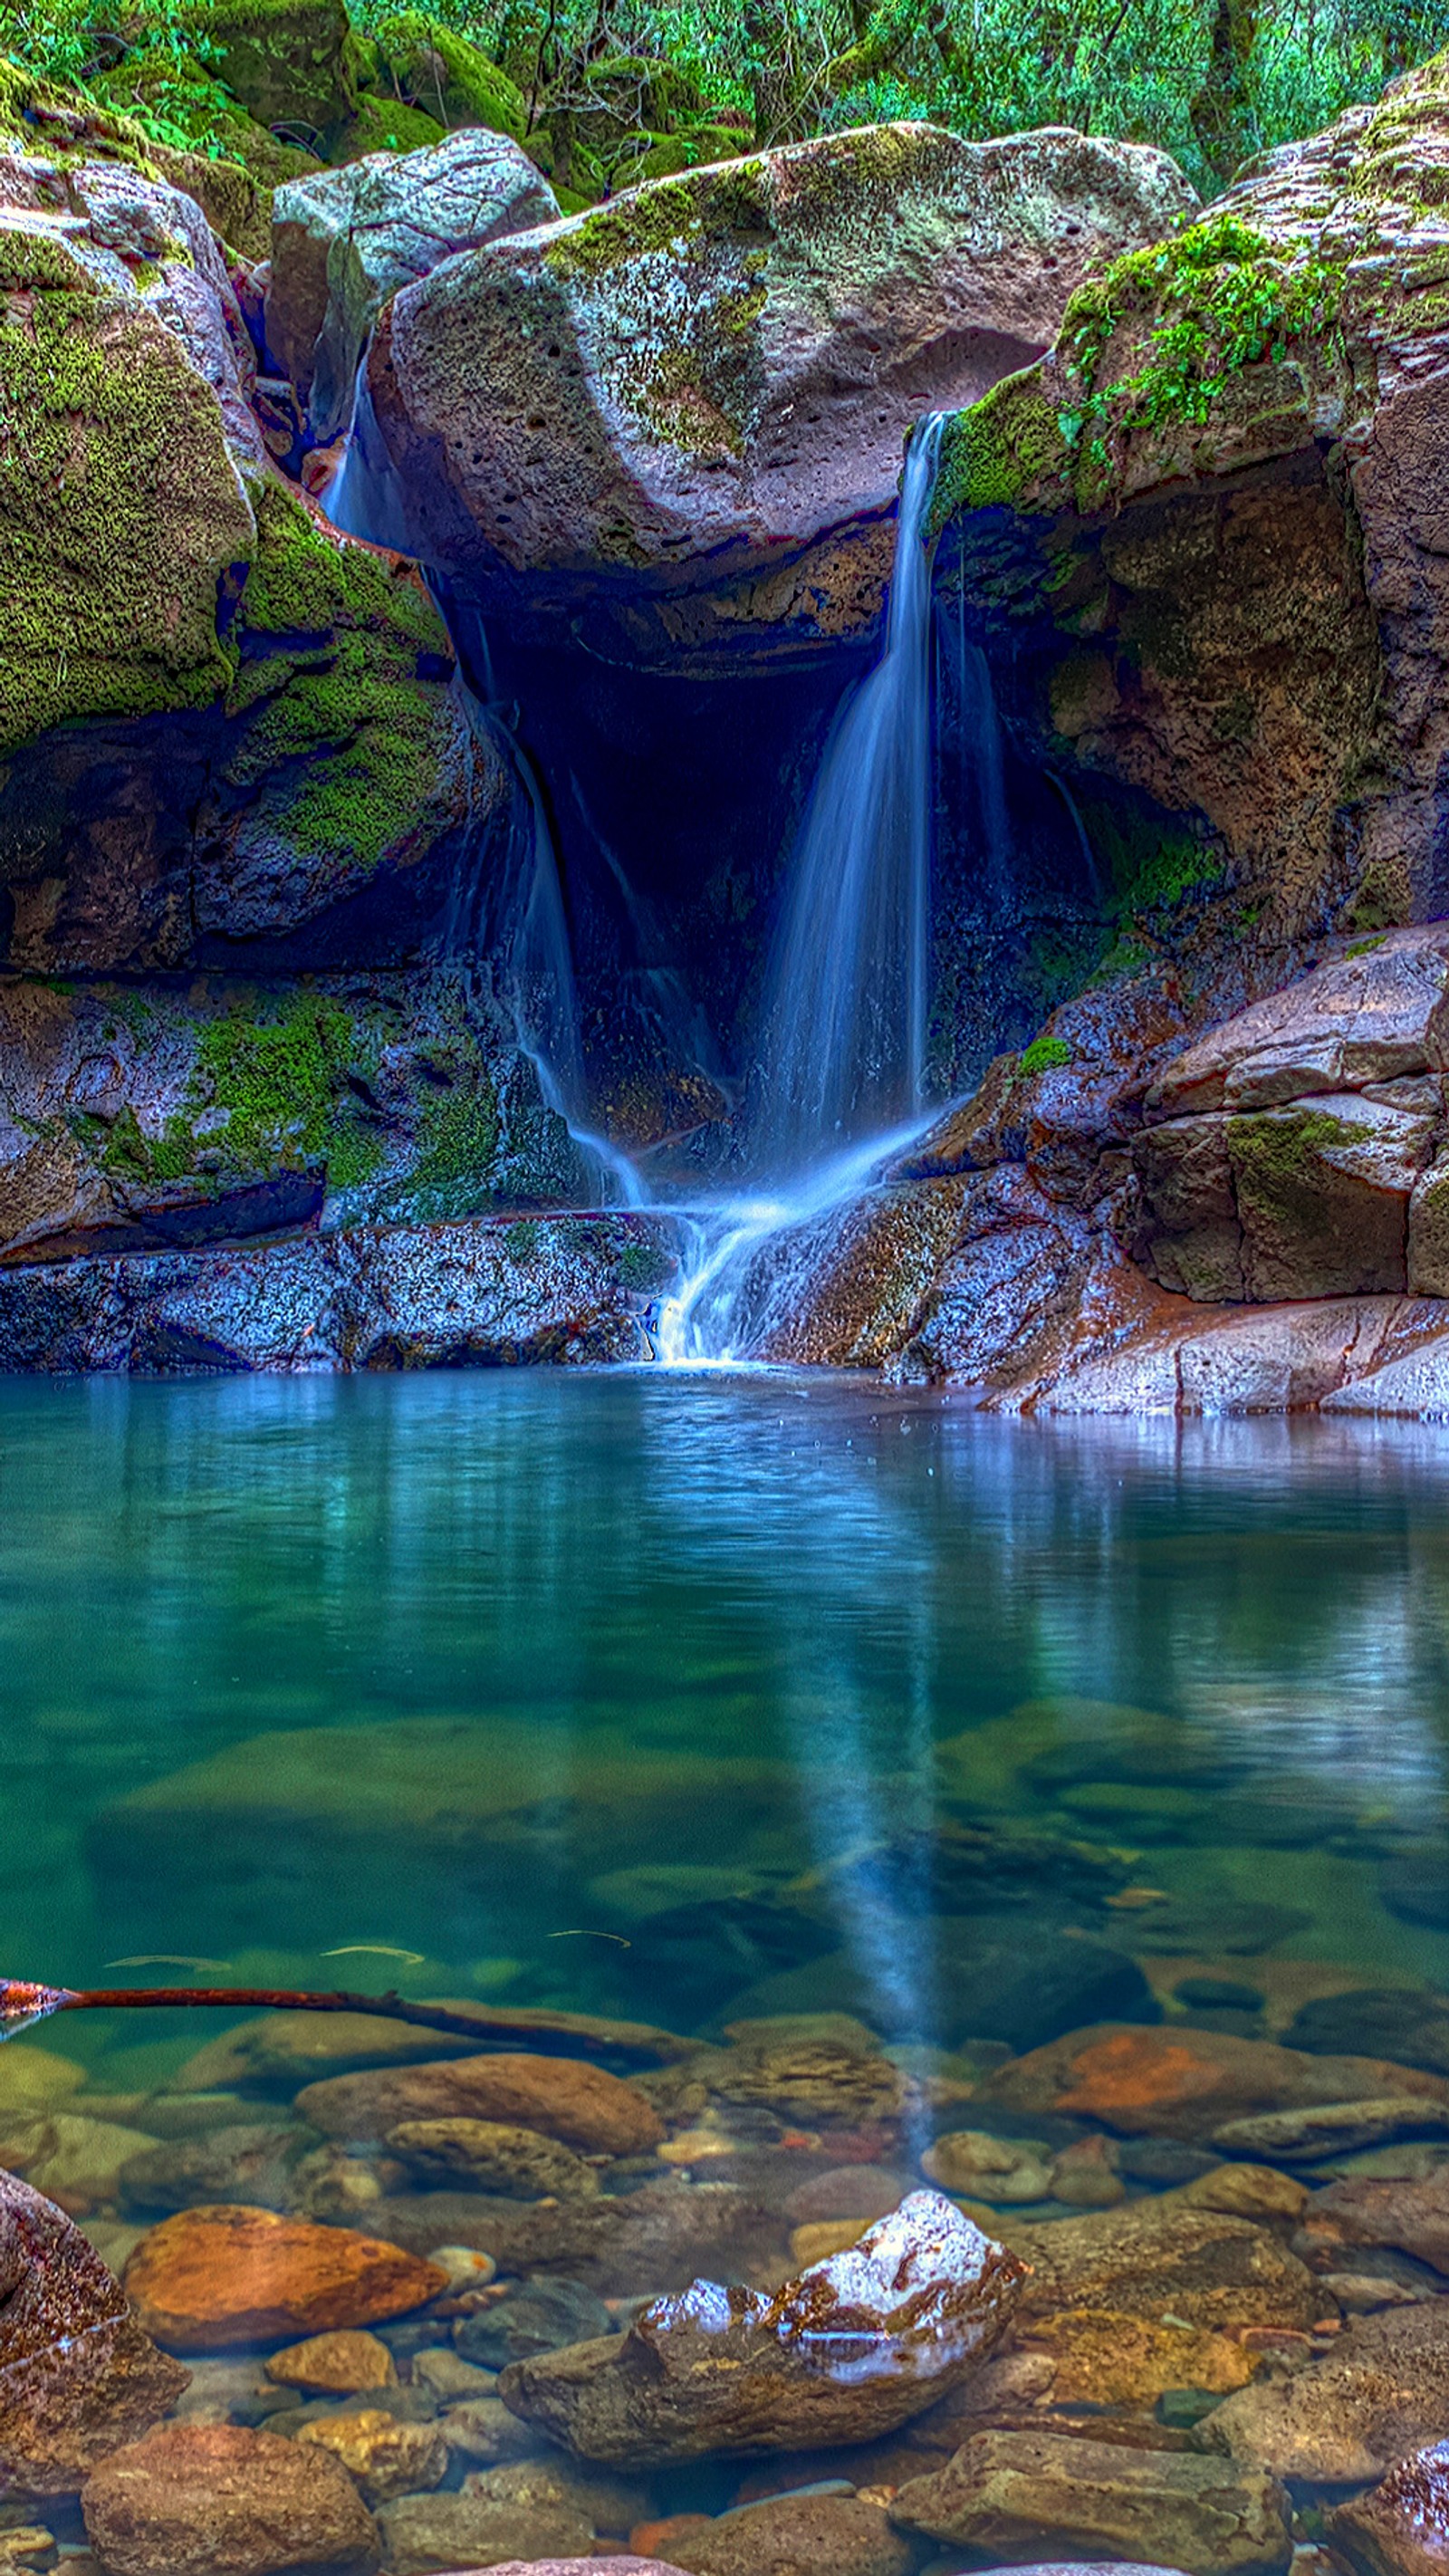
{"x":845,"y":1020}
{"x":841,"y":1080}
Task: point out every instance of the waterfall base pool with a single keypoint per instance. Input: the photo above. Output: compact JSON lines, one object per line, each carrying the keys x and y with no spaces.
{"x":1048,"y":1814}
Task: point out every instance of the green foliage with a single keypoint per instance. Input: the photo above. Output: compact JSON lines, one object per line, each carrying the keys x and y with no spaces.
{"x":1215,"y":298}
{"x":1044,"y":1055}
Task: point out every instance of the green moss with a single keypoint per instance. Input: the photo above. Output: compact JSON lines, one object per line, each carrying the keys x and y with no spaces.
{"x":993,"y":454}
{"x":457,"y":1137}
{"x":1273,"y":1157}
{"x":1195,"y":311}
{"x":282,"y":1086}
{"x":120,"y":510}
{"x":178,"y":101}
{"x":430,"y":67}
{"x":521,"y":1239}
{"x":663,"y":216}
{"x":1044,"y":1055}
{"x":384,"y":124}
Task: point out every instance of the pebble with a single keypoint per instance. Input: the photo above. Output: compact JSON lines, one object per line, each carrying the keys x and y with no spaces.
{"x":28,"y":2549}
{"x":212,"y":2277}
{"x":494,"y":2156}
{"x":989,"y":2168}
{"x":385,"y":2457}
{"x":334,"y":2364}
{"x":192,"y":2499}
{"x":540,"y":2316}
{"x":422,"y":2533}
{"x":56,"y":2296}
{"x":1332,"y":2128}
{"x":463,"y":2266}
{"x":1010,"y":2493}
{"x":449,"y":2377}
{"x":562,"y":2097}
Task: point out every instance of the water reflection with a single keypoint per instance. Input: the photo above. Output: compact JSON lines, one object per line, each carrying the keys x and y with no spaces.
{"x":582,"y":1629}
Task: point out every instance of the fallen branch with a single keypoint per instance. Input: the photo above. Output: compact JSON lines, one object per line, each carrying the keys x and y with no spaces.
{"x":556,"y":2033}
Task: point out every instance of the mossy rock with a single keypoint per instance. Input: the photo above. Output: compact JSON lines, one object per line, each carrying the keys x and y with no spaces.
{"x":291,"y":63}
{"x":696,"y":149}
{"x":73,"y":125}
{"x":385,"y":124}
{"x":121,"y":515}
{"x":192,"y":111}
{"x":428,"y":67}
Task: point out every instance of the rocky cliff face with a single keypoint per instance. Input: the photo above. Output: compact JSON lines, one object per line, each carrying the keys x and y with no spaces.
{"x":1190,"y":583}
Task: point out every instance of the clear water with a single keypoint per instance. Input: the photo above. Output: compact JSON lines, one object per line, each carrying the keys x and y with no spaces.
{"x":719,"y":1627}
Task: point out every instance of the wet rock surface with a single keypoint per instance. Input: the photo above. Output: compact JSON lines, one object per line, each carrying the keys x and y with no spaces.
{"x":850,"y":2349}
{"x":1002,"y":2490}
{"x":78,"y":2376}
{"x":215,"y":2500}
{"x":1343,"y":2420}
{"x":216,"y":2276}
{"x":1401,"y":2527}
{"x":579,"y":2105}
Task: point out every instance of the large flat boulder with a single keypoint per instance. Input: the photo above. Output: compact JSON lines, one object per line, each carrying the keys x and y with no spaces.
{"x":711,"y":375}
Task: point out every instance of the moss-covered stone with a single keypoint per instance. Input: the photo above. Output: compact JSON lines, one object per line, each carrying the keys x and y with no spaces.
{"x":292,"y":63}
{"x":182,"y":104}
{"x":121,"y":513}
{"x":427,"y":66}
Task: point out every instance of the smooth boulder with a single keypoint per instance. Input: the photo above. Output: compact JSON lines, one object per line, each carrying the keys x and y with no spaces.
{"x":213,"y":2277}
{"x":850,"y":2349}
{"x":218,"y":2500}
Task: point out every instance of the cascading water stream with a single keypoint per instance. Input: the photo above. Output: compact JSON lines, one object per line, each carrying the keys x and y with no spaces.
{"x":841,"y":1077}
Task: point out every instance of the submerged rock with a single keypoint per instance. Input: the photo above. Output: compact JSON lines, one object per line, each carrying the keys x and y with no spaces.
{"x":1164,"y":2257}
{"x":1010,"y":2491}
{"x":619,"y":2245}
{"x":217,"y":2276}
{"x":334,"y":2365}
{"x":1184,"y":2083}
{"x":842,"y":2533}
{"x":217,"y":2500}
{"x":562,"y":2097}
{"x":1333,"y":2128}
{"x":1381,"y":2391}
{"x":517,"y":2163}
{"x":387,"y":2458}
{"x":78,"y":2376}
{"x":848,"y":2350}
{"x":539,"y":2316}
{"x":1411,"y":2216}
{"x":457,"y":2532}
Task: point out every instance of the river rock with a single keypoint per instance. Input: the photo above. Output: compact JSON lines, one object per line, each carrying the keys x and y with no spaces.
{"x":1177,"y":2082}
{"x":1381,"y":2391}
{"x":920,"y":2299}
{"x":385,"y":2457}
{"x":1008,"y":2491}
{"x":1155,"y":2257}
{"x":75,"y":2160}
{"x":1412,"y":2023}
{"x":78,"y":2376}
{"x":1332,"y":2129}
{"x":216,"y":2500}
{"x":1107,"y":2360}
{"x":618,"y":2246}
{"x":423,"y":2533}
{"x":861,"y":2192}
{"x":608,"y":2505}
{"x":217,"y":2276}
{"x":1248,"y":2191}
{"x":560,"y":2096}
{"x":794,"y":2533}
{"x":344,"y":240}
{"x":254,"y":2165}
{"x":280,"y":2052}
{"x":1412,"y":2216}
{"x":987,"y":2168}
{"x":334,"y":2365}
{"x":1401,"y":2528}
{"x":517,"y":2163}
{"x":538,"y":2317}
{"x":483,"y":2428}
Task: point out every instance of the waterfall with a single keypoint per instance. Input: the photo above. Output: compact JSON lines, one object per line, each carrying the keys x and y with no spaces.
{"x":845,"y":1019}
{"x":841,"y":1079}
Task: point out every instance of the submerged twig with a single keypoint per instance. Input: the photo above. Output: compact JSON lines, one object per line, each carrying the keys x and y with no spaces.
{"x":561,"y":2033}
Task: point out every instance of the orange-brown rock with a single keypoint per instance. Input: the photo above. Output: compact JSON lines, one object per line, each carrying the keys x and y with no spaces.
{"x":560,"y":2096}
{"x":217,"y":2500}
{"x":1161,"y":2256}
{"x":1174,"y":2082}
{"x":334,"y":2365}
{"x":1101,"y":2357}
{"x":78,"y":2376}
{"x":216,"y":2276}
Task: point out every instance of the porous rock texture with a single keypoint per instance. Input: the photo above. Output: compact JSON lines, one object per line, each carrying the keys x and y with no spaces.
{"x":698,"y":385}
{"x":78,"y":2376}
{"x":219,"y":2500}
{"x":344,"y":240}
{"x":850,"y":2349}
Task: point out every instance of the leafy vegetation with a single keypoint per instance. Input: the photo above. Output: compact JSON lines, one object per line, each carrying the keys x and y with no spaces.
{"x":605,"y":91}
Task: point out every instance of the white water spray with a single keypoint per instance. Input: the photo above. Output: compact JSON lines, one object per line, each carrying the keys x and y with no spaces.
{"x":841,"y":1079}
